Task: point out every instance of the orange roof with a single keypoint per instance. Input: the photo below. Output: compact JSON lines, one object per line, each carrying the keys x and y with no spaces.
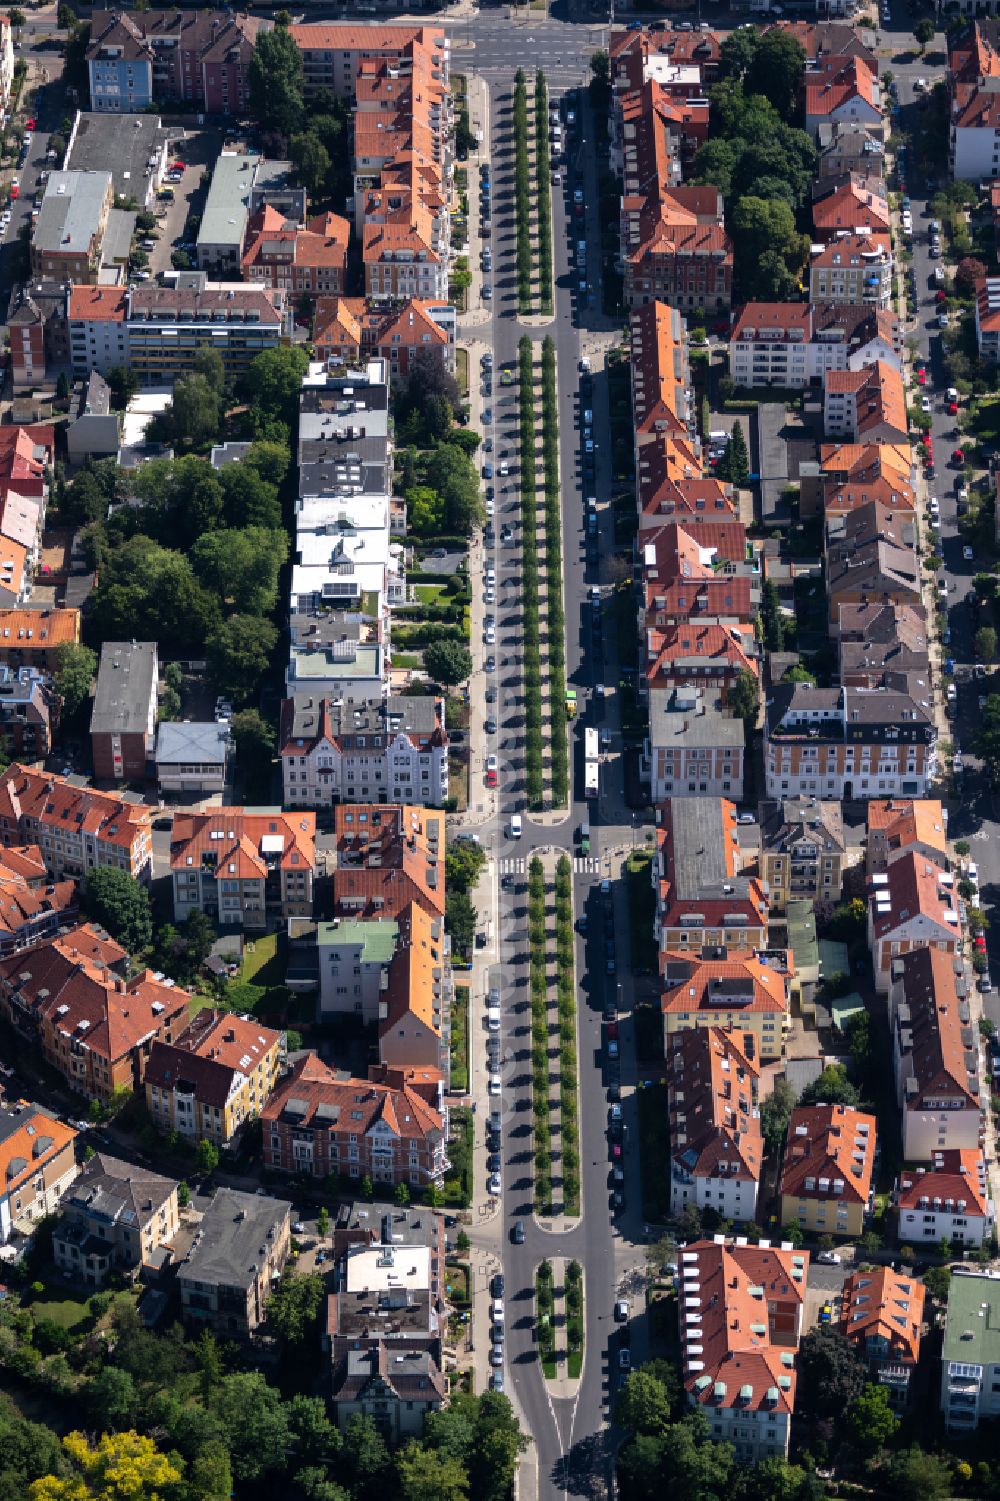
{"x":103,"y":304}
{"x":243,"y":844}
{"x":879,"y":397}
{"x":739,"y":1294}
{"x":852,"y":206}
{"x":352,"y":1106}
{"x":691,"y":544}
{"x":788,"y":318}
{"x":351,"y":37}
{"x":857,"y":473}
{"x":905,"y":821}
{"x":829,"y":1154}
{"x":843,"y":79}
{"x":884,"y":1305}
{"x":25,"y":894}
{"x":29,"y":1139}
{"x":957,"y":1182}
{"x":740,"y":982}
{"x":28,"y":796}
{"x":853,"y":250}
{"x":915,"y":893}
{"x":659,"y":370}
{"x":712,"y":1094}
{"x":387,"y":857}
{"x":939,"y":1053}
{"x":685,"y":646}
{"x":416,"y":972}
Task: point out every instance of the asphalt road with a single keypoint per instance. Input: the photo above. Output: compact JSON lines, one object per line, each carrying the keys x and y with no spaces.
{"x":50,"y":109}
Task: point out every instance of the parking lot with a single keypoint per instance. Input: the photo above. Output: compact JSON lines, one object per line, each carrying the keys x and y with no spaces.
{"x":197,"y":150}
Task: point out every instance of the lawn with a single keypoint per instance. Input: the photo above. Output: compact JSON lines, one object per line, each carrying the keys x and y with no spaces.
{"x":68,"y":1312}
{"x":431,"y":594}
{"x":457,"y":1283}
{"x":262,"y":964}
{"x":460,"y":1039}
{"x":462,"y":372}
{"x":458,"y":1187}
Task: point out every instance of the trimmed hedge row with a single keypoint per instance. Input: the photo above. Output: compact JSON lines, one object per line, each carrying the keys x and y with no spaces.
{"x":573,"y":1287}
{"x":534,"y":778}
{"x":553,"y":567}
{"x":543,"y":192}
{"x":538,"y":940}
{"x":566,"y":993}
{"x":522,"y":194}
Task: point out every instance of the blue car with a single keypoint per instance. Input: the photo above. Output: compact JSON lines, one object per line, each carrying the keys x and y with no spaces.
{"x":949,"y":665}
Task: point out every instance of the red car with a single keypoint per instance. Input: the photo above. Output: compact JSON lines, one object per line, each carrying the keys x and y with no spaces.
{"x":940,"y":297}
{"x":178,"y":166}
{"x":979,"y":943}
{"x":491,"y":779}
{"x":952,"y":409}
{"x":612,"y":1029}
{"x":927,"y":440}
{"x":15,"y":191}
{"x":921,"y":377}
{"x":29,"y":124}
{"x":958,"y":457}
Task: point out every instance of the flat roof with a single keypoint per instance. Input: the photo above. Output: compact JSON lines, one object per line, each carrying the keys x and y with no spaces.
{"x":70,"y":215}
{"x":972,"y":1330}
{"x":126,"y":682}
{"x":230,"y":1245}
{"x":227,"y":207}
{"x":181,"y":740}
{"x":382,"y":1268}
{"x":122,"y":145}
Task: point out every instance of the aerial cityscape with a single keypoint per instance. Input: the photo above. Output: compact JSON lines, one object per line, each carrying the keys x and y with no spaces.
{"x":500,"y":752}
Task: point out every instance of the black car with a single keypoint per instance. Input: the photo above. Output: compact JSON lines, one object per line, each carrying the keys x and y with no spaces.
{"x":497,"y":1285}
{"x":494,"y":1162}
{"x":518,"y":1233}
{"x":610,"y":1011}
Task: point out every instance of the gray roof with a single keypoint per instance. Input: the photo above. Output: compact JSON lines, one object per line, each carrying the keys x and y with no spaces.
{"x":125,"y":685}
{"x":118,"y":234}
{"x":70,"y":215}
{"x":112,"y":1190}
{"x":685,"y":716}
{"x":225,"y":454}
{"x":416,"y":715}
{"x":784,"y":824}
{"x":121,"y":145}
{"x":15,"y":1117}
{"x":95,"y":398}
{"x":231,"y":1244}
{"x":699,"y":848}
{"x":181,"y":740}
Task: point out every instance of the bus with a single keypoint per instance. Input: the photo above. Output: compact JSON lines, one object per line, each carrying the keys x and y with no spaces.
{"x":591,"y":763}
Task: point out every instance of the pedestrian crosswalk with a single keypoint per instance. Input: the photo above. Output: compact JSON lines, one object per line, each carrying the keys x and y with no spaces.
{"x":512,"y":867}
{"x":586,"y":865}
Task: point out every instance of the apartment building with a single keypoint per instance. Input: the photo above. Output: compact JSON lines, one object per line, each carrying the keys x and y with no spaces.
{"x":694,"y":748}
{"x":853,"y":268}
{"x":363,"y":750}
{"x":318,"y":1122}
{"x":352,"y":960}
{"x":740,"y":1331}
{"x":987,"y":310}
{"x":244,"y":185}
{"x":950,"y":1200}
{"x":803,"y":850}
{"x":912,"y":906}
{"x":970,"y":1354}
{"x":123,"y":718}
{"x":307,"y":261}
{"x":67,"y":239}
{"x":851,"y":204}
{"x":871,"y":557}
{"x":113,"y":1219}
{"x":843,"y":743}
{"x":866,"y":406}
{"x":235,"y":1262}
{"x":689,"y":652}
{"x":898,"y":827}
{"x":332,"y":54}
{"x":935,"y":1055}
{"x":336,"y":651}
{"x":701,"y":897}
{"x":387,"y":857}
{"x":731,"y":988}
{"x":66,"y":996}
{"x":32,"y":906}
{"x":716,"y":1146}
{"x":29,"y":710}
{"x":167,"y":326}
{"x":350,"y":331}
{"x":826,"y":1175}
{"x":97,"y":324}
{"x":793,"y":345}
{"x":399,"y":254}
{"x":213,"y":1077}
{"x":674,"y":242}
{"x":881,"y":1315}
{"x":199,"y":58}
{"x":974,"y":116}
{"x":661,"y":399}
{"x":412,"y":1010}
{"x":77,"y":828}
{"x":37,"y":1165}
{"x":875,"y":642}
{"x":850,"y":146}
{"x":237,"y":865}
{"x":842,"y":90}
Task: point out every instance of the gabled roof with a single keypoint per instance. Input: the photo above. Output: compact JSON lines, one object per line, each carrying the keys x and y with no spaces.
{"x":741,"y":982}
{"x":914,"y":892}
{"x":243,"y":842}
{"x":416,"y":974}
{"x":829,"y":1154}
{"x":885,"y":1306}
{"x":934,"y":1036}
{"x":712,"y":1093}
{"x":214,"y":1054}
{"x":314,"y":1095}
{"x":30,"y":795}
{"x":30,"y":1137}
{"x":957,"y":1182}
{"x":902,"y":822}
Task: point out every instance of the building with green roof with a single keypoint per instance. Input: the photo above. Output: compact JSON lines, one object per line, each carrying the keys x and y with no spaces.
{"x":354,"y":959}
{"x":970,"y":1355}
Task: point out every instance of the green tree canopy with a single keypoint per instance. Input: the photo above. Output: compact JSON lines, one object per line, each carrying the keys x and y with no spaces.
{"x":871,"y":1421}
{"x":744,"y":698}
{"x":254,"y":1422}
{"x":426,"y":1475}
{"x":121,"y":904}
{"x":646,"y":1402}
{"x":775,"y":1114}
{"x":776,"y":71}
{"x":74,"y":674}
{"x":830,"y":1373}
{"x":277,"y":81}
{"x":915,"y":1475}
{"x":27,"y":1451}
{"x":312,"y":162}
{"x":448,"y":662}
{"x":831,"y":1088}
{"x":451,"y":474}
{"x":242,"y":567}
{"x":239,"y":652}
{"x":147,"y":592}
{"x":195,"y":412}
{"x":770,"y":250}
{"x":294,"y":1309}
{"x":274,"y":380}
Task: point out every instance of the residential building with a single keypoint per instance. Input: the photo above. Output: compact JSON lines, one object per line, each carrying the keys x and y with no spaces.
{"x":689,"y":653}
{"x":793,"y":344}
{"x":970,"y":1354}
{"x":842,"y":90}
{"x":740,"y":1331}
{"x":191,"y":756}
{"x":123,"y":719}
{"x":134,"y":148}
{"x":113,"y":1219}
{"x":336,"y":651}
{"x":843,"y":743}
{"x":912,"y":906}
{"x":850,"y":204}
{"x":882,"y":646}
{"x":675,"y":246}
{"x":395,"y":1385}
{"x":66,"y":241}
{"x":77,"y":828}
{"x":898,"y":827}
{"x":935,"y":1050}
{"x":881,"y":1314}
{"x":237,"y":1258}
{"x":853,"y":268}
{"x":694,"y":748}
{"x":716,"y":1146}
{"x":318,"y":1122}
{"x":215,"y":1076}
{"x":332,"y":54}
{"x":950,"y":1201}
{"x":26,"y":459}
{"x":350,"y":331}
{"x":701,"y":897}
{"x":199,"y":58}
{"x":803,"y":850}
{"x":344,"y":439}
{"x":95,"y":430}
{"x":731,"y":988}
{"x":987,"y":310}
{"x":660,"y":374}
{"x":400,"y":255}
{"x":850,"y":146}
{"x":240,"y":864}
{"x":28,"y":323}
{"x":96,"y":318}
{"x":243,"y":184}
{"x":871,"y":557}
{"x":67,"y":997}
{"x":308,"y":261}
{"x":826,"y":1175}
{"x":866,"y":406}
{"x":352,"y":965}
{"x":32,"y":906}
{"x":344,"y":554}
{"x":413,"y":1007}
{"x":168,"y":325}
{"x":6,"y":60}
{"x":37,"y":1165}
{"x":974,"y":70}
{"x":387,"y":857}
{"x":357,"y":750}
{"x":29,"y":711}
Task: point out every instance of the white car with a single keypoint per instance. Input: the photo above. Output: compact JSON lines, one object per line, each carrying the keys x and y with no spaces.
{"x":491,"y":508}
{"x":496,"y":1310}
{"x":952,"y":393}
{"x":490,"y":576}
{"x":925,"y":403}
{"x":968,"y":554}
{"x":495,"y":1084}
{"x":494,"y":1186}
{"x":493,"y":1018}
{"x":972,"y":872}
{"x":492,"y":764}
{"x":828,"y":1258}
{"x":942,"y":321}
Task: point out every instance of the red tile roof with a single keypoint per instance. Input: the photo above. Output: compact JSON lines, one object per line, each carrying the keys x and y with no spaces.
{"x":884,"y":1305}
{"x":829,"y":1154}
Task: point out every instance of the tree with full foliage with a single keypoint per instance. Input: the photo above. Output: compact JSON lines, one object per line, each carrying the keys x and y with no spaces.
{"x":75,"y":667}
{"x":239,"y":652}
{"x":771,"y":252}
{"x":241,"y":567}
{"x":247,"y":498}
{"x":734,"y":466}
{"x":986,"y":643}
{"x":738,"y":51}
{"x":312,"y":162}
{"x":937,"y":1281}
{"x":148,"y":592}
{"x":464,"y":863}
{"x":27,"y":1451}
{"x":447,"y":662}
{"x":277,"y":81}
{"x":775,"y":1114}
{"x":831,"y":1373}
{"x":831,"y":1088}
{"x":119,"y":1467}
{"x":121,"y":904}
{"x":776,"y":70}
{"x":460,"y":923}
{"x":113,"y":1398}
{"x":744,"y":698}
{"x":366,"y":1459}
{"x":323,"y":1221}
{"x":771,"y":619}
{"x":255,"y":740}
{"x":916,"y":1475}
{"x":450,"y":473}
{"x":425,"y":511}
{"x":194,"y":416}
{"x":273,"y":382}
{"x":254,"y":1424}
{"x":294,"y":1309}
{"x":646,"y":1403}
{"x":968,"y":272}
{"x":987,"y":740}
{"x":206,"y":1156}
{"x":431,"y":1475}
{"x":924,"y":31}
{"x":871,"y":1421}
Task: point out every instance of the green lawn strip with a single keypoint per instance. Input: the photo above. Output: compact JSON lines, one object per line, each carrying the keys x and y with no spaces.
{"x":460,"y":1039}
{"x":537,"y":953}
{"x":559,"y":744}
{"x":258,"y":954}
{"x":569,"y":1123}
{"x":574,"y":1319}
{"x":534,"y":776}
{"x":522,"y":194}
{"x":544,"y":1310}
{"x":543,"y":206}
{"x":457,"y":1187}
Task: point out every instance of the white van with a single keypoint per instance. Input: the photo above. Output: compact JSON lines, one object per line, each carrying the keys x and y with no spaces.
{"x":515,"y":826}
